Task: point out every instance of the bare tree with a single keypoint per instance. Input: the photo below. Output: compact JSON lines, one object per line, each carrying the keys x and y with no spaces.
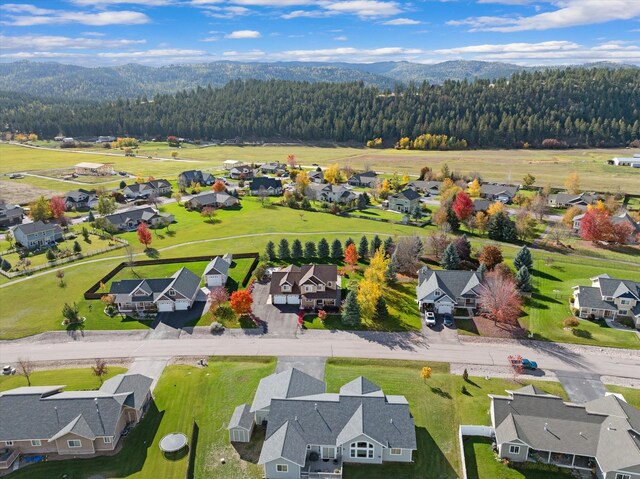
{"x":538,"y":206}
{"x":263,"y":194}
{"x":438,"y":242}
{"x":100,"y":369}
{"x":558,"y":233}
{"x":26,"y":368}
{"x":129,"y":253}
{"x":407,"y":255}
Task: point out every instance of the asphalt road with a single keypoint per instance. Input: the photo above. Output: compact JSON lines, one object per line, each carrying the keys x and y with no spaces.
{"x":410,"y":346}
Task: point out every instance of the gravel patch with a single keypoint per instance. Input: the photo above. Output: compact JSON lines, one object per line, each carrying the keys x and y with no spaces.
{"x":503,"y":372}
{"x":618,"y":381}
{"x":80,"y":363}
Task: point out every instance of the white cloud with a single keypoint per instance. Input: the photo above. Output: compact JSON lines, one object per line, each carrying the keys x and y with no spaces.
{"x":42,"y":55}
{"x":167,"y":52}
{"x":46,"y":42}
{"x":210,"y":39}
{"x":402,"y":21}
{"x":364,"y":8}
{"x":226,"y":12}
{"x":40,"y":16}
{"x":273,"y":3}
{"x":242,"y":34}
{"x":341,"y":38}
{"x":307,"y":14}
{"x":103,"y":3}
{"x":511,"y":47}
{"x":568,"y":13}
{"x":245,"y":56}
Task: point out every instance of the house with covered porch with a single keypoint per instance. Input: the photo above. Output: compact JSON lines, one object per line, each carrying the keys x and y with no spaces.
{"x":608,"y":298}
{"x":442,"y":291}
{"x":310,"y":285}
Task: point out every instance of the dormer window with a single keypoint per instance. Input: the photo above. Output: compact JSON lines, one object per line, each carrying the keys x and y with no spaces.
{"x":308,"y":289}
{"x":329,"y":284}
{"x":172,"y":292}
{"x":320,"y":287}
{"x":437,"y":293}
{"x":286,"y":287}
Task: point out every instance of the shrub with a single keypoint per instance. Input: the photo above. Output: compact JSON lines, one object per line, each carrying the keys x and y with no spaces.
{"x":225,"y":313}
{"x":322,"y":315}
{"x":463,"y":390}
{"x":571,"y":322}
{"x":465,"y":375}
{"x":216,"y":328}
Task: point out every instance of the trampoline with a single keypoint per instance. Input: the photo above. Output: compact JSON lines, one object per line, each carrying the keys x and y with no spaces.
{"x":173,"y":442}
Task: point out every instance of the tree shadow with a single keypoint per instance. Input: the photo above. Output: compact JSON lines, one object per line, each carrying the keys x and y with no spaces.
{"x":250,"y":451}
{"x":544,"y":275}
{"x":152,"y":253}
{"x":582,"y":333}
{"x":440,"y":392}
{"x":170,"y":234}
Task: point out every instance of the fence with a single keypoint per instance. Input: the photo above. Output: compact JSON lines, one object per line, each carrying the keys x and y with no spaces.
{"x":466,"y":430}
{"x":92,"y":293}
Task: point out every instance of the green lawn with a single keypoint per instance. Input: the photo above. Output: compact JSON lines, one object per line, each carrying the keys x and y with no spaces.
{"x":73,"y":379}
{"x":438,"y":408}
{"x":183,"y":394}
{"x":632,"y":396}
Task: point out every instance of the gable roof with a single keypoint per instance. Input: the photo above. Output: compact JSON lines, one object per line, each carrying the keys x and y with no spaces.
{"x":498,"y":189}
{"x":241,"y":418}
{"x":296,"y":276}
{"x":184,"y":281}
{"x":453,"y":283}
{"x":287,"y":384}
{"x":45,"y":412}
{"x":425,"y":185}
{"x":218,"y":265}
{"x":407,"y":194}
{"x":265,"y":182}
{"x":360,"y":386}
{"x":146,"y":213}
{"x":37,"y":227}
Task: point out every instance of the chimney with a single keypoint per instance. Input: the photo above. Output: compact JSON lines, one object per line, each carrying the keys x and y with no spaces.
{"x":546,"y":426}
{"x":315,"y":406}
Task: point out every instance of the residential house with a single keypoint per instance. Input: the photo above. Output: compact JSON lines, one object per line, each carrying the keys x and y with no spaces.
{"x":106,"y":139}
{"x":229,"y":164}
{"x":498,"y":192}
{"x":265,"y":185}
{"x":567,"y":200}
{"x":10,"y":215}
{"x":147,"y":189}
{"x":442,"y":291}
{"x":93,"y":169}
{"x":48,"y":420}
{"x":309,"y":285}
{"x":368,"y":179}
{"x":130,"y":219}
{"x":316,"y":176}
{"x":241,"y":173}
{"x":212,"y":199}
{"x":312,"y":434}
{"x":217,"y":271}
{"x":406,"y":201}
{"x":176,"y":293}
{"x":430,"y":188}
{"x":78,"y":200}
{"x":273,"y":168}
{"x":622,"y":218}
{"x":600,"y":436}
{"x":187,"y":178}
{"x":481,"y":204}
{"x":37,"y":234}
{"x":608,"y":297}
{"x":330,"y":193}
{"x":633,"y":162}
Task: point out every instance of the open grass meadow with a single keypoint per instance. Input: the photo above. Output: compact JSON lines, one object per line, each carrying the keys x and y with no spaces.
{"x":74,"y":379}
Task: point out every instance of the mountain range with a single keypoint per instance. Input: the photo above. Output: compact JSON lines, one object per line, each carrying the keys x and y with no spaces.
{"x":57,"y":80}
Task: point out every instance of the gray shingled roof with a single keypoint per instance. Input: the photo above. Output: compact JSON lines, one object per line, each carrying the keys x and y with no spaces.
{"x":136,"y":214}
{"x":360,"y":386}
{"x":38,"y":227}
{"x":211,"y":198}
{"x":453,"y":283}
{"x":496,"y":190}
{"x":286,"y":442}
{"x":619,"y":288}
{"x":218,"y":265}
{"x":184,"y":281}
{"x":137,"y":384}
{"x":307,"y":273}
{"x":407,"y":194}
{"x":431,"y":186}
{"x":241,"y":418}
{"x":590,"y":297}
{"x":45,"y":412}
{"x":265,"y":182}
{"x":287,"y":384}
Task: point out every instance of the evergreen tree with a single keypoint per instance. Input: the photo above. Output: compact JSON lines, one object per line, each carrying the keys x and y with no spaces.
{"x":336,"y":249}
{"x":361,"y":202}
{"x":523,"y":280}
{"x":367,"y":200}
{"x":296,"y":249}
{"x":309,"y":250}
{"x":501,"y":228}
{"x":323,"y":249}
{"x":450,"y":258}
{"x":523,"y":258}
{"x":392,"y":268}
{"x":348,"y":242}
{"x":91,"y":218}
{"x":363,"y":248}
{"x":270,"y":251}
{"x":418,"y":247}
{"x":416,"y":212}
{"x":482,"y":270}
{"x":123,"y":185}
{"x":76,"y":247}
{"x":351,"y":310}
{"x":388,"y":244}
{"x":283,"y":249}
{"x":463,"y":246}
{"x":50,"y":254}
{"x":376,"y":243}
{"x":452,"y":219}
{"x":381,"y":312}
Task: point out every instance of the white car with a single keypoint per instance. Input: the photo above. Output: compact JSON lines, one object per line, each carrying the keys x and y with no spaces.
{"x":8,"y":370}
{"x":429,"y":319}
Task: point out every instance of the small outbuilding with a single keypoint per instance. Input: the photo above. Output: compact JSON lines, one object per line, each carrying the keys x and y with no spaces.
{"x":241,"y":424}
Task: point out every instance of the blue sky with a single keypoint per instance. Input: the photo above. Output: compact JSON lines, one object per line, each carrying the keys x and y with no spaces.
{"x":156,"y":32}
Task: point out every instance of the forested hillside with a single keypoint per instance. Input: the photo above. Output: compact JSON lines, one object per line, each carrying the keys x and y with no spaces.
{"x":582,"y":107}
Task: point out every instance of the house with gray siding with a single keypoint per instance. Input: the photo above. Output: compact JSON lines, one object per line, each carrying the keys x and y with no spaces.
{"x":216,"y":272}
{"x":498,"y":192}
{"x":567,"y":200}
{"x":405,"y":201}
{"x":442,"y":291}
{"x":129,"y":220}
{"x":368,"y":179}
{"x":10,"y":215}
{"x":212,"y":199}
{"x":608,"y":297}
{"x":311,"y":433}
{"x":37,"y":234}
{"x":429,"y":188}
{"x":330,"y":193}
{"x":264,"y":185}
{"x":602,"y":435}
{"x":49,"y":420}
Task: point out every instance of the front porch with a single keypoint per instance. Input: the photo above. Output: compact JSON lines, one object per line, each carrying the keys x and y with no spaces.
{"x":318,"y":468}
{"x":570,"y":461}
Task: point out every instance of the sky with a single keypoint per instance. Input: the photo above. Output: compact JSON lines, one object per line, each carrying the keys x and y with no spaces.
{"x":160,"y":32}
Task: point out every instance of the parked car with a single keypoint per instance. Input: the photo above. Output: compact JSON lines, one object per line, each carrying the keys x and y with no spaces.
{"x":123,"y":173}
{"x":8,"y":370}
{"x":429,"y":319}
{"x":448,"y":321}
{"x":528,"y":364}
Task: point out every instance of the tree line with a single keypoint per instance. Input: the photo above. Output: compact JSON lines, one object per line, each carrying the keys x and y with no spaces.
{"x":553,"y":109}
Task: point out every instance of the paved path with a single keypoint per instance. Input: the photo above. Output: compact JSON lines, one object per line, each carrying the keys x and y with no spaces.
{"x":581,"y":387}
{"x":360,"y":344}
{"x":313,"y":366}
{"x":151,"y":367}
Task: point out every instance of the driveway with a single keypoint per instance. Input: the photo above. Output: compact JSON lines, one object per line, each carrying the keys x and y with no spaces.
{"x":312,"y":365}
{"x":439,"y":333}
{"x":281,"y":320}
{"x":151,"y":367}
{"x":169,"y":325}
{"x":581,"y":387}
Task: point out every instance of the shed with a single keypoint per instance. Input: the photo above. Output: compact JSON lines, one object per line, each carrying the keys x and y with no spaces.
{"x":241,"y":424}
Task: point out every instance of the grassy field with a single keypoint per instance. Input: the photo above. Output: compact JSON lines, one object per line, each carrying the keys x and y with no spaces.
{"x":179,"y":386}
{"x":76,"y":379}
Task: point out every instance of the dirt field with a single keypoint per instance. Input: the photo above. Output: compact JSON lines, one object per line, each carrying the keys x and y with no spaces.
{"x":13,"y":191}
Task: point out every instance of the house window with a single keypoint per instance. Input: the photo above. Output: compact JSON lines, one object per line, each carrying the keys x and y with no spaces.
{"x":514,"y":449}
{"x":329,"y":284}
{"x":74,"y":443}
{"x":622,"y":476}
{"x":437,"y":293}
{"x":624,"y":301}
{"x":395,"y":451}
{"x":328,"y":452}
{"x":362,"y":450}
{"x":107,"y":439}
{"x":8,"y":443}
{"x":286,"y":287}
{"x":308,"y":289}
{"x":172,"y":292}
{"x":36,"y":442}
{"x":282,"y":468}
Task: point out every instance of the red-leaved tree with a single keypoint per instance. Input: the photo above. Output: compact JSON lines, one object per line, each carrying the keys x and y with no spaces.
{"x":218,"y":186}
{"x":463,"y":206}
{"x":490,"y":256}
{"x":241,"y":302}
{"x":595,"y":225}
{"x":499,"y":299}
{"x":57,"y":206}
{"x":218,"y":296}
{"x":144,"y":235}
{"x":351,"y":255}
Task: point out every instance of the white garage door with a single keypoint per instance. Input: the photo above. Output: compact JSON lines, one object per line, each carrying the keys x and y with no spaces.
{"x":182,"y":305}
{"x":293,"y":299}
{"x":445,"y":309}
{"x":165,"y":306}
{"x":279,"y":299}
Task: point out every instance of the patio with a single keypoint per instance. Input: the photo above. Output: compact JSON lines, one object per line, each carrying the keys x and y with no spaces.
{"x":318,"y":468}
